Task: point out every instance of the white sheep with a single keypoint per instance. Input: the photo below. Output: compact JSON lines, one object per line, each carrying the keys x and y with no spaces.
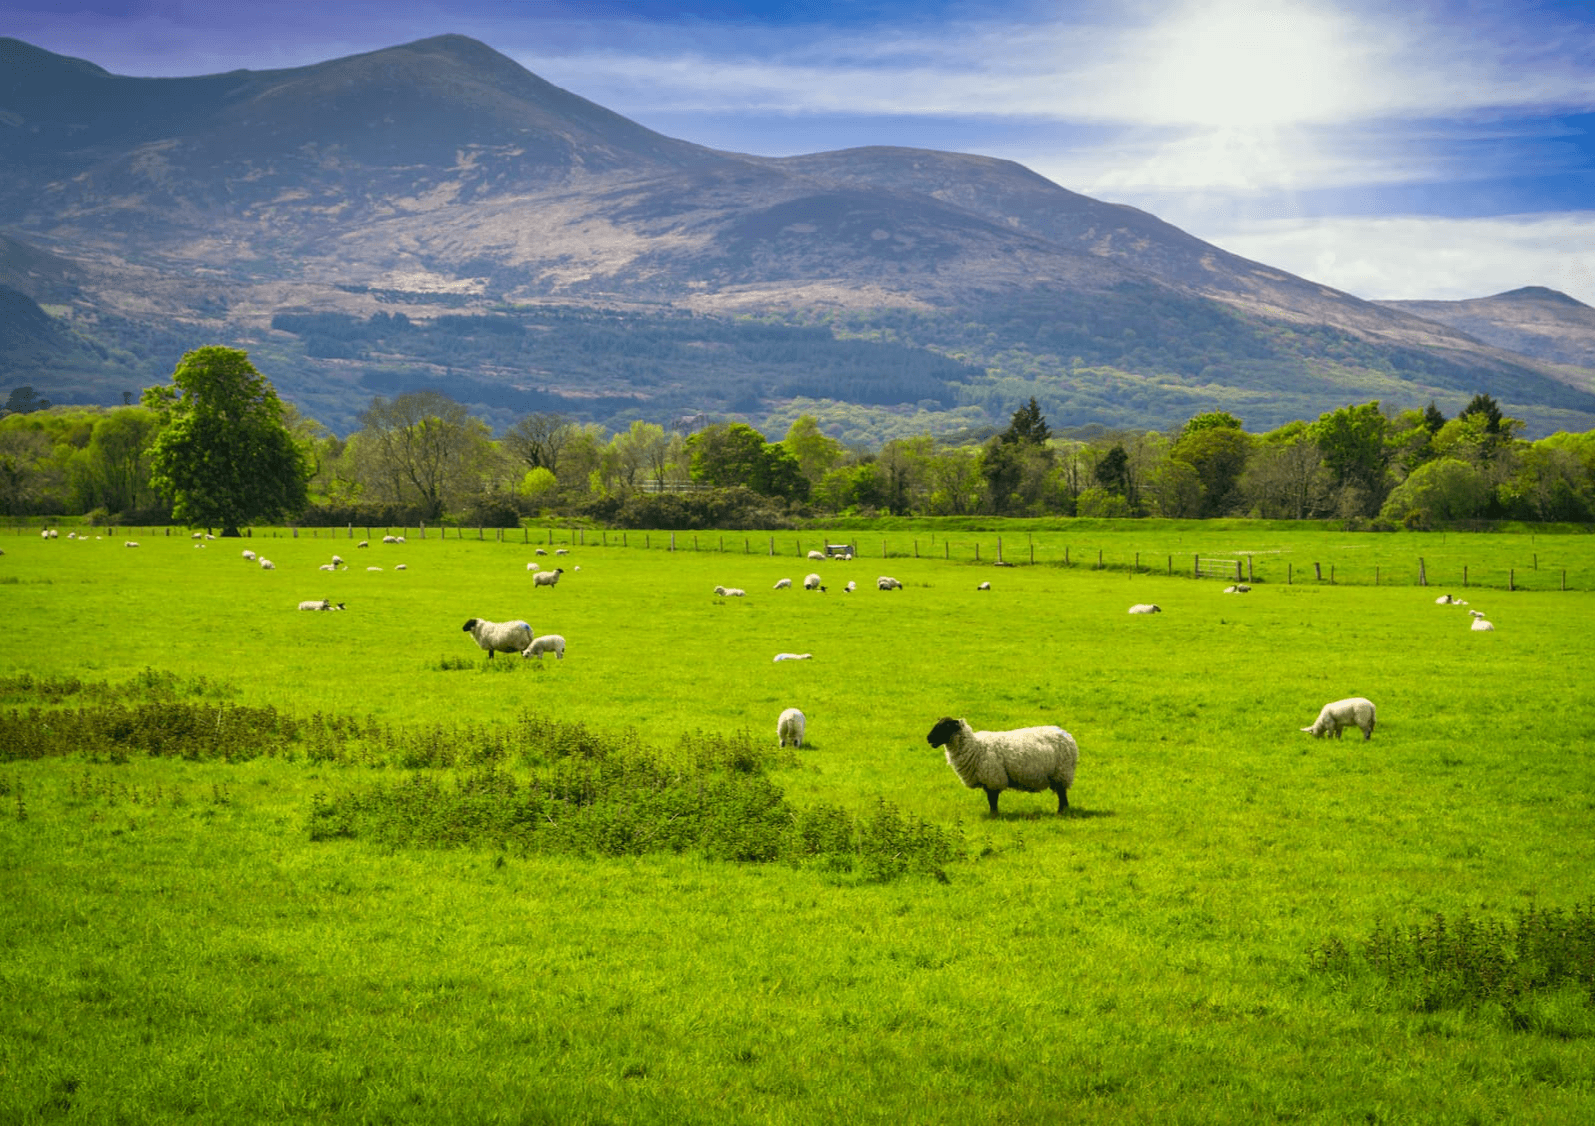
{"x":337,"y":561}
{"x":820,"y":555}
{"x":782,"y":584}
{"x":730,"y":591}
{"x":390,"y":539}
{"x":886,"y":582}
{"x":794,"y":656}
{"x":401,"y":566}
{"x":984,"y":586}
{"x":533,"y":567}
{"x":499,"y":637}
{"x":850,"y":587}
{"x":363,"y":543}
{"x":1353,"y":711}
{"x":1146,"y":608}
{"x":548,"y":643}
{"x":129,"y":543}
{"x":373,"y":568}
{"x":1481,"y":624}
{"x":321,"y":604}
{"x":1029,"y":759}
{"x":326,"y":567}
{"x":1475,"y":613}
{"x":562,"y":551}
{"x":267,"y":564}
{"x":547,"y":578}
{"x":789,"y":728}
{"x":1238,"y":588}
{"x":540,"y":551}
{"x":812,"y":582}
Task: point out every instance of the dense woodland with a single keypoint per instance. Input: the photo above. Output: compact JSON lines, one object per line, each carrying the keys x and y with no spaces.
{"x":421,"y":456}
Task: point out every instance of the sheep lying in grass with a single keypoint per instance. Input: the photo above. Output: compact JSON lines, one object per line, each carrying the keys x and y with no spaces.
{"x":886,"y":582}
{"x":789,"y":728}
{"x":984,"y":586}
{"x":794,"y":656}
{"x":820,"y":555}
{"x":1353,"y":711}
{"x":325,"y":567}
{"x":1480,"y":625}
{"x":1238,"y":588}
{"x":547,"y":578}
{"x":499,"y":637}
{"x":534,"y":567}
{"x":321,"y":604}
{"x":249,"y":555}
{"x":1029,"y":759}
{"x":267,"y":565}
{"x":548,"y":643}
{"x":129,"y":543}
{"x":1146,"y":608}
{"x":730,"y":591}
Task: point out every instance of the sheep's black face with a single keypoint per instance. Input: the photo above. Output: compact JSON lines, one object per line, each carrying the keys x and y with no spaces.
{"x":942,"y":733}
{"x":469,"y":626}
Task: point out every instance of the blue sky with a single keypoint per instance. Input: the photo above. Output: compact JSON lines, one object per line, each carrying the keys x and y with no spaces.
{"x":1445,"y":150}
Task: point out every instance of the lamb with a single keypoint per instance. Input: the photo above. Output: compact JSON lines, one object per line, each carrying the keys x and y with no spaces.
{"x":321,"y":604}
{"x":1146,"y":608}
{"x":499,"y":637}
{"x":540,"y":551}
{"x":533,"y":567}
{"x":730,"y":591}
{"x":782,"y":584}
{"x":1475,"y":613}
{"x":1353,"y":711}
{"x":390,"y":539}
{"x":267,"y":564}
{"x":850,"y":587}
{"x":325,"y":567}
{"x":337,"y":561}
{"x":373,"y":568}
{"x":984,"y":586}
{"x":812,"y":582}
{"x":129,"y":543}
{"x":562,"y":551}
{"x":886,"y":582}
{"x":363,"y":543}
{"x":794,"y":656}
{"x":1029,"y":759}
{"x":1481,"y":624}
{"x":789,"y":728}
{"x":1238,"y":588}
{"x":401,"y":566}
{"x":547,"y":578}
{"x":548,"y":643}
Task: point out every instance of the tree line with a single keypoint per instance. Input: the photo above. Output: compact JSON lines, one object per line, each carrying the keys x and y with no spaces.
{"x":217,"y":448}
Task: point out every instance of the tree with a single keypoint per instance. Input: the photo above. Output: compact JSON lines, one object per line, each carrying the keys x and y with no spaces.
{"x":223,"y":456}
{"x":24,"y":400}
{"x":1027,"y":427}
{"x":1217,"y":448}
{"x":1352,"y":440}
{"x":425,"y":450}
{"x":816,"y":451}
{"x":539,"y":439}
{"x":1446,"y":489}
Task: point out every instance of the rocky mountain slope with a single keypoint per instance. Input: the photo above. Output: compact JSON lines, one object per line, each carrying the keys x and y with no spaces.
{"x":540,"y":249}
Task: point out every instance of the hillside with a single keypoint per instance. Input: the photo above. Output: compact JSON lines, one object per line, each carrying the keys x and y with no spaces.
{"x":544,"y":250}
{"x":1533,"y":321}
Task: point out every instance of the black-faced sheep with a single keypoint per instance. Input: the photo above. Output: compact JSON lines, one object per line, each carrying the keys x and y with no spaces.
{"x":499,"y":637}
{"x":1029,"y":759}
{"x":547,"y":578}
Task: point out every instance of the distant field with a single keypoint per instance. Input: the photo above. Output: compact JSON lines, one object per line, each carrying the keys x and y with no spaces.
{"x":179,"y":944}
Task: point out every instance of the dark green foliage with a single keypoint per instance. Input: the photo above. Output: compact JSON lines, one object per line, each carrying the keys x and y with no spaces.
{"x":1465,"y":962}
{"x":737,"y":507}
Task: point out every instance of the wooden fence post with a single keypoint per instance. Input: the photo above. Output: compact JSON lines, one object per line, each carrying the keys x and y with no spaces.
{"x":1423,"y":578}
{"x":1196,"y":566}
{"x":1318,"y":571}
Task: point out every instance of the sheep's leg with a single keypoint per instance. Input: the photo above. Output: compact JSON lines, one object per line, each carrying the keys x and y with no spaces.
{"x":490,"y":654}
{"x":1063,"y":797}
{"x":991,"y":798}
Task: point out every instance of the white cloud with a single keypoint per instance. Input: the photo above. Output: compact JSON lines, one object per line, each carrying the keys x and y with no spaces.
{"x":1424,"y":258}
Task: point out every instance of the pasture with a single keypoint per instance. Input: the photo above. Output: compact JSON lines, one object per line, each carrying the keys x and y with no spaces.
{"x":177,"y":941}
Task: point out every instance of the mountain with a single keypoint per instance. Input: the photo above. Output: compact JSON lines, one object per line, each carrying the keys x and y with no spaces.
{"x":434,"y":215}
{"x":1533,"y":321}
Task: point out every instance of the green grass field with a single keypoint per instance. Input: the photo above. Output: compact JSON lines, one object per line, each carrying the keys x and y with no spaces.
{"x":177,"y":942}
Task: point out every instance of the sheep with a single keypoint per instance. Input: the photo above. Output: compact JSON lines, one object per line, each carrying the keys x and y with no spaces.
{"x":1475,"y":613}
{"x":1481,"y":624}
{"x":129,"y":543}
{"x":390,"y":539}
{"x":249,"y":555}
{"x":730,"y":591}
{"x":577,"y":568}
{"x":326,"y":567}
{"x":789,"y":728}
{"x":886,"y":582}
{"x":820,"y":555}
{"x":533,"y":567}
{"x":401,"y":566}
{"x":562,"y":551}
{"x":373,"y":568}
{"x":984,"y":586}
{"x":850,"y":587}
{"x":782,"y":584}
{"x":198,"y":535}
{"x":363,"y":543}
{"x":267,"y":564}
{"x":812,"y":582}
{"x":1029,"y":759}
{"x":1146,"y":608}
{"x":1444,"y":600}
{"x":321,"y":604}
{"x":337,"y":561}
{"x":794,"y":656}
{"x":1353,"y":711}
{"x":548,"y":643}
{"x":499,"y":637}
{"x":1238,"y":588}
{"x":540,"y":551}
{"x":547,"y":578}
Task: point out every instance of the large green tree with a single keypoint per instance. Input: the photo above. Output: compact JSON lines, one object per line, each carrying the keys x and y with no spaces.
{"x":223,"y":456}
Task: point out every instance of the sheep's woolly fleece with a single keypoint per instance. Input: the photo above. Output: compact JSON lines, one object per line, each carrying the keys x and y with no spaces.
{"x":789,"y":728}
{"x":499,"y":637}
{"x":1353,"y":711}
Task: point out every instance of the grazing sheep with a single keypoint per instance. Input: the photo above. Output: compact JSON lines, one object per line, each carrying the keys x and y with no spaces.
{"x":794,"y":656}
{"x":850,"y":587}
{"x":198,"y":535}
{"x":337,"y":561}
{"x":1146,"y":608}
{"x":782,"y":584}
{"x":562,"y":551}
{"x":1353,"y":711}
{"x":578,"y":567}
{"x":812,"y":582}
{"x":789,"y":728}
{"x":820,"y":555}
{"x":267,"y":564}
{"x":499,"y":637}
{"x":540,"y":551}
{"x":547,"y":578}
{"x":1481,"y":624}
{"x":249,"y":555}
{"x":984,"y":586}
{"x":363,"y":543}
{"x":886,"y":582}
{"x":730,"y":591}
{"x":321,"y":604}
{"x":401,"y":566}
{"x":1029,"y":759}
{"x":1238,"y":588}
{"x":548,"y":643}
{"x":390,"y":539}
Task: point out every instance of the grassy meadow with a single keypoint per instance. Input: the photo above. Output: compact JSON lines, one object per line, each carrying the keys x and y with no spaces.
{"x":231,"y":930}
